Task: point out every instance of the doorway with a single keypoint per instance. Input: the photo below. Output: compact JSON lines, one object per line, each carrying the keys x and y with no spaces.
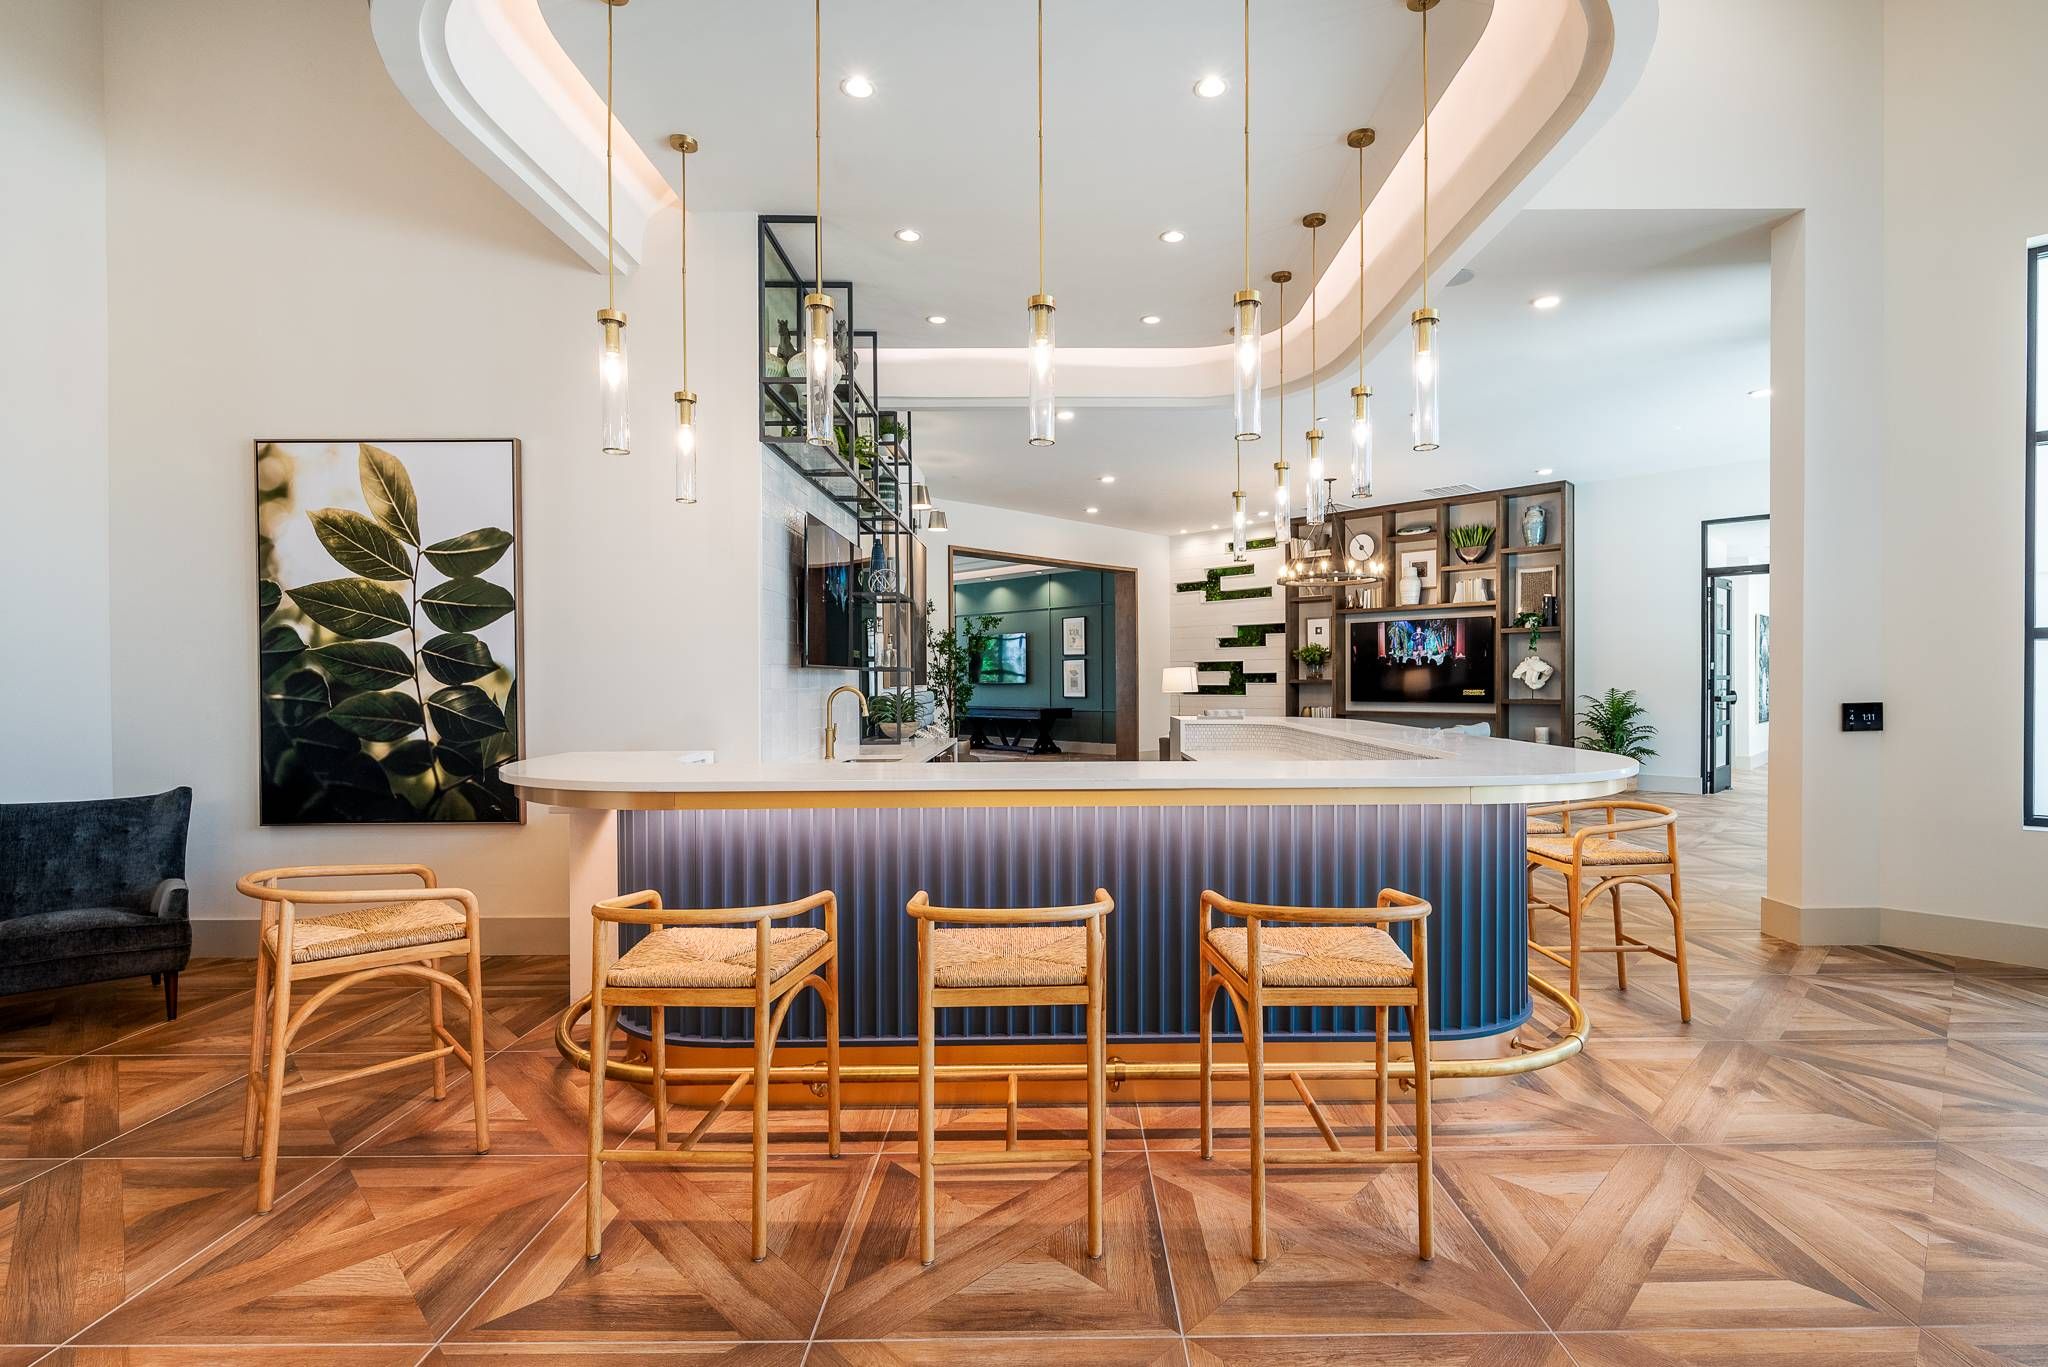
{"x":1735,"y":648}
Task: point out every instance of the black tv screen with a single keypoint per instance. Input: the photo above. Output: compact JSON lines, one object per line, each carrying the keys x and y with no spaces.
{"x":1439,"y":660}
{"x":828,"y":608}
{"x":1003,"y":660}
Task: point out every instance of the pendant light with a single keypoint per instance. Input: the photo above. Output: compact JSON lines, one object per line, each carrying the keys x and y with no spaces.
{"x":686,"y":401}
{"x":1318,"y":492}
{"x":1238,"y":551}
{"x":1361,"y":393}
{"x":1283,"y":497}
{"x":1428,"y":358}
{"x":1038,"y":334}
{"x":614,"y":424}
{"x":1248,"y":364}
{"x":821,"y":359}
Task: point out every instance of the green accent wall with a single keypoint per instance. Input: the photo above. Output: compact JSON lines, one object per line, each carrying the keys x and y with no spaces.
{"x":1038,"y":606}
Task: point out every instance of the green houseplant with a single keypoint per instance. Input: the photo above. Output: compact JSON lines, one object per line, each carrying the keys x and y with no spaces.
{"x":1473,"y":542}
{"x":1313,"y":657}
{"x":1614,"y":724}
{"x":894,"y":713}
{"x":951,"y":648}
{"x":1534,"y":622}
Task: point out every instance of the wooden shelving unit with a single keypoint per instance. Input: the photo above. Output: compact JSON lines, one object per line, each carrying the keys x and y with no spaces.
{"x":1516,"y":712}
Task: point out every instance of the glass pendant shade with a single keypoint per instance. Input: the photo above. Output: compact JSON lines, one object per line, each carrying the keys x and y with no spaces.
{"x":686,"y":446}
{"x":1247,"y":370}
{"x":1238,"y":550}
{"x":614,"y":425}
{"x":1038,"y":347}
{"x":1283,"y":504}
{"x":1361,"y":442}
{"x":1318,"y":492}
{"x":1428,"y":373}
{"x":821,"y":371}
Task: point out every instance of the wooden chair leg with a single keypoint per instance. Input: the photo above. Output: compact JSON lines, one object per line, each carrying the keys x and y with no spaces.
{"x":1620,"y":959}
{"x":1096,"y":1088}
{"x":252,"y":1101}
{"x":1207,"y":997}
{"x":764,"y":1053}
{"x":1678,"y":948}
{"x":1382,"y":1079}
{"x":832,"y":1055}
{"x":435,"y":1026}
{"x":1418,"y":1025}
{"x":657,"y":1040}
{"x":478,"y":1090}
{"x":273,"y":1088}
{"x":1572,"y":913}
{"x":171,"y":995}
{"x":1252,"y":1019}
{"x":593,"y":1187}
{"x":927,"y":1120}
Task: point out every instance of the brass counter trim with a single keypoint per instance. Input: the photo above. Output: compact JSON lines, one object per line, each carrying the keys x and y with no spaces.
{"x":728,"y":800}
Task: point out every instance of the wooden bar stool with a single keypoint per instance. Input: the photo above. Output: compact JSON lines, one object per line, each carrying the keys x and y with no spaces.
{"x":1591,"y":861}
{"x":1017,"y":956}
{"x":701,"y":958}
{"x":1319,"y":956}
{"x":386,"y":939}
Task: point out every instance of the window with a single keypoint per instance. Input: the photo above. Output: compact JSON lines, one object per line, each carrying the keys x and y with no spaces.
{"x":2034,"y":781}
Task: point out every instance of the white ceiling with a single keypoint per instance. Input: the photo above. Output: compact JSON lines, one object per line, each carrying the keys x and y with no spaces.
{"x":1644,"y":367}
{"x":946,"y":144}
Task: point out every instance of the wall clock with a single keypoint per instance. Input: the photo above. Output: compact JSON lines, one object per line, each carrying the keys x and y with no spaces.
{"x":1362,"y":546}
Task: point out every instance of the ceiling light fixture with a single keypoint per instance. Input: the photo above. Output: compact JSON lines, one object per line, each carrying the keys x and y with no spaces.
{"x":1428,"y":362}
{"x":908,"y":234}
{"x":1066,"y":415}
{"x":1150,"y":320}
{"x":686,"y":401}
{"x":937,"y":320}
{"x":920,"y":498}
{"x":1546,"y":301}
{"x":1318,"y":492}
{"x":1210,"y":86}
{"x":614,"y":422}
{"x":1238,"y":553}
{"x":1763,"y":393}
{"x":1546,"y":470}
{"x":1283,"y":497}
{"x":1093,"y":511}
{"x":1038,"y":332}
{"x":1359,"y":139}
{"x":936,"y":521}
{"x":1106,"y":479}
{"x":857,"y":86}
{"x":1245,"y":375}
{"x":821,"y":360}
{"x":1172,"y":235}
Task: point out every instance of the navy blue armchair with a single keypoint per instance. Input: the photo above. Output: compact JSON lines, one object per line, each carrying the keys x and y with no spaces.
{"x":91,"y":891}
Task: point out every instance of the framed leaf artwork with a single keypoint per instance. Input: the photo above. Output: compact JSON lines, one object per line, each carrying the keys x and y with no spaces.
{"x":388,"y":638}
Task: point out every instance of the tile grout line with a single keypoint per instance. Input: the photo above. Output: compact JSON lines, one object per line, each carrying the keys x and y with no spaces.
{"x":1165,"y":1252}
{"x":846,"y":1238}
{"x":510,"y":1263}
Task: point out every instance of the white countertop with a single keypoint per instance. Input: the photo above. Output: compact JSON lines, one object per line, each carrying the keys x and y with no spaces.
{"x":1445,"y":766}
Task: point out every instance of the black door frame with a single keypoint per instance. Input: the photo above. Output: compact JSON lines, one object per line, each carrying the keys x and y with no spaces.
{"x":1709,"y":572}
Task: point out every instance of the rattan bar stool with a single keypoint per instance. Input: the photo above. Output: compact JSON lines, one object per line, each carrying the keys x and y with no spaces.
{"x":388,"y":938}
{"x":1591,"y":861}
{"x":1319,"y":956}
{"x":701,"y":958}
{"x":1014,"y":956}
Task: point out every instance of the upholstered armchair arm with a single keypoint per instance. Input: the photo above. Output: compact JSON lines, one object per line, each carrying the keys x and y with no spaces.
{"x":171,"y":900}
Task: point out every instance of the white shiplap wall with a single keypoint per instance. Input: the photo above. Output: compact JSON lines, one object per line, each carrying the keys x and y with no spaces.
{"x":1198,"y":623}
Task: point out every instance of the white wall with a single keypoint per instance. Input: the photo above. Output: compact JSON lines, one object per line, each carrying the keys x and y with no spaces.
{"x":792,"y":697}
{"x":1198,"y":623}
{"x":1749,"y":739}
{"x":294,"y":253}
{"x":1638,"y":596}
{"x":1030,"y":534}
{"x":55,"y":714}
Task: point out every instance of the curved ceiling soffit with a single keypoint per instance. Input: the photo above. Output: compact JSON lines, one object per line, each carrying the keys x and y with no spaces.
{"x":489,"y":76}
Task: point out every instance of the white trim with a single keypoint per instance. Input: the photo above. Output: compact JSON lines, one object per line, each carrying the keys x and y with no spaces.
{"x":1970,"y":937}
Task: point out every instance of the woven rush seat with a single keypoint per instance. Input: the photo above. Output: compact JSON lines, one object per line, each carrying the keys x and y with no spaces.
{"x":1544,"y":826}
{"x":1317,"y":956}
{"x":366,"y":930}
{"x":1597,"y":850}
{"x":1010,"y":956}
{"x":710,"y":956}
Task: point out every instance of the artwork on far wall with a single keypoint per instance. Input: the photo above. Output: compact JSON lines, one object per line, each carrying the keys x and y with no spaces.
{"x":1315,"y":631}
{"x":1763,"y":667}
{"x":1074,"y":679}
{"x":1533,"y":584}
{"x":387,"y":581}
{"x":1074,"y":636}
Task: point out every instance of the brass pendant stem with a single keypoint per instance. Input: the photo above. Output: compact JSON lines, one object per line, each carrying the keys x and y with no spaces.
{"x":611,"y":285}
{"x":1247,"y":145}
{"x":1041,"y":146}
{"x":1361,"y":262}
{"x":1425,"y":159}
{"x":818,"y":137}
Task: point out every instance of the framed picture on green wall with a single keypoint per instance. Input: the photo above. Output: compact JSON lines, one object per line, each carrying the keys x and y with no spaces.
{"x":1074,"y":680}
{"x":1074,"y":637}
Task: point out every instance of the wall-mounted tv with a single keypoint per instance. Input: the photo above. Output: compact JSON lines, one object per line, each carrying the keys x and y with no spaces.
{"x":1437,"y":660}
{"x":1004,"y":659}
{"x":828,"y":607}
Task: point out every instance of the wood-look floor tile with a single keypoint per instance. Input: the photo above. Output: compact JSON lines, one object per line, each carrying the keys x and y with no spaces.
{"x":1382,"y":1350}
{"x":966,"y":1127}
{"x":538,"y":1104}
{"x":83,"y":1102}
{"x":616,"y":1355}
{"x":233,"y":1355}
{"x":1752,"y":1093}
{"x":677,"y":1261}
{"x":221,"y":1025}
{"x":82,"y":1237}
{"x":373,"y":1250}
{"x":1027,"y":1352}
{"x":1012,"y":1256}
{"x":1341,"y":1255}
{"x":1750,"y":1348}
{"x":1668,"y":1238}
{"x":1995,"y":1094}
{"x":791,"y":1129}
{"x":76,"y":1020}
{"x":1987,"y":1258}
{"x":1981,"y":1346}
{"x":1992,"y":1007}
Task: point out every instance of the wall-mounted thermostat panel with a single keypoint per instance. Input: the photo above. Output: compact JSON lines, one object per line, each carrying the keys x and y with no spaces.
{"x":1863,"y":716}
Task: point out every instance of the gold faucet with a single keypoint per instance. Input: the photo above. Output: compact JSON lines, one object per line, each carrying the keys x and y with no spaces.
{"x":832,"y":727}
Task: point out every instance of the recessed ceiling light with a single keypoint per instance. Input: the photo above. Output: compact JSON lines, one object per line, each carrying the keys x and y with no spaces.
{"x":1107,"y":479}
{"x":1173,"y":235}
{"x":1763,"y":393}
{"x":1546,"y":301}
{"x":1215,"y":526}
{"x":857,"y":86}
{"x":908,"y":234}
{"x":1182,"y":532}
{"x":1150,"y":320}
{"x":1546,"y":470}
{"x":937,"y":320}
{"x":1210,"y":86}
{"x":1093,"y":511}
{"x":1066,"y":415}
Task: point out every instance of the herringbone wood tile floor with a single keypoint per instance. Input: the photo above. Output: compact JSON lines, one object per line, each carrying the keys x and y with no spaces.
{"x":1843,"y":1159}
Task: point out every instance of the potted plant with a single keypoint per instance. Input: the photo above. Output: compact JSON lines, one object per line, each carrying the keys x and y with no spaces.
{"x":1313,"y":657}
{"x":951,"y":648}
{"x":1614,"y":724}
{"x":894,"y":713}
{"x":1472,"y":542}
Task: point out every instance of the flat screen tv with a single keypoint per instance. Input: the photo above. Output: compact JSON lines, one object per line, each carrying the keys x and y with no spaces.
{"x":828,"y":607}
{"x":1435,"y":660}
{"x":1003,"y":660}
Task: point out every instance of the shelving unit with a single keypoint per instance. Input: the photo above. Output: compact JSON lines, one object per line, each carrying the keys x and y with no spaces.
{"x":868,"y":472}
{"x":1516,"y":711}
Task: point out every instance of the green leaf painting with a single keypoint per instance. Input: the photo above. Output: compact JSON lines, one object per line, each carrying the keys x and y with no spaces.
{"x":387,"y":631}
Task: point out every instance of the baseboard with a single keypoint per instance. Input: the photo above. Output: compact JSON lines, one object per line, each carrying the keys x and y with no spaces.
{"x":1894,"y":927}
{"x":1668,"y":783}
{"x":235,"y":937}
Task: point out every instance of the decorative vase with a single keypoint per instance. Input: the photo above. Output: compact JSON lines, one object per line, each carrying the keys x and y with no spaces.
{"x":1472,"y":555}
{"x":1535,"y":525}
{"x":1411,"y":588}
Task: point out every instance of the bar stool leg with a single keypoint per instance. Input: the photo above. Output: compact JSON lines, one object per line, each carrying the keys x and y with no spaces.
{"x":1572,"y":914}
{"x":601,"y":1018}
{"x":764,"y":1052}
{"x":832,"y":1054}
{"x":479,"y":1096}
{"x":1620,"y":959}
{"x":1095,"y":1088}
{"x":273,"y":1087}
{"x":1678,"y":946}
{"x":1424,"y":1175}
{"x":657,"y":1039}
{"x":1381,"y":1080}
{"x":435,"y":1026}
{"x":252,"y":1099}
{"x":1207,"y":997}
{"x":927,"y":1102}
{"x":1252,"y":1018}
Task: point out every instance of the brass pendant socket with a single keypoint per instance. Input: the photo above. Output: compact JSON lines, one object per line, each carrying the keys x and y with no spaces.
{"x":1423,"y":316}
{"x":1245,"y":297}
{"x":1039,"y":301}
{"x":817,"y":300}
{"x":685,"y":396}
{"x":1282,"y":277}
{"x":611,"y":316}
{"x":1360,"y":138}
{"x":681,"y":142}
{"x":1361,"y":391}
{"x":1414,"y":6}
{"x":1314,"y":220}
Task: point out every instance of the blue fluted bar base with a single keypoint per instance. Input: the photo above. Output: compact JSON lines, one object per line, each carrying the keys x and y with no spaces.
{"x":1466,"y":860}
